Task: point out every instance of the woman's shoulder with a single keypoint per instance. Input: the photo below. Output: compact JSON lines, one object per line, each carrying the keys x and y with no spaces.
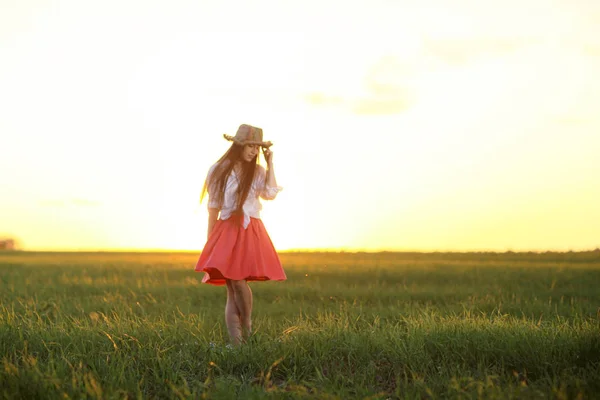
{"x":218,"y":164}
{"x":260,"y":172}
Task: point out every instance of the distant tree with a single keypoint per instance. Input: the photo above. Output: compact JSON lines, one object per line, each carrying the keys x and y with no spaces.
{"x":8,"y":244}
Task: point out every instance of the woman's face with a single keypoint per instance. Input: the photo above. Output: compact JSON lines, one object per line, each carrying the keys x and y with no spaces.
{"x":250,"y":151}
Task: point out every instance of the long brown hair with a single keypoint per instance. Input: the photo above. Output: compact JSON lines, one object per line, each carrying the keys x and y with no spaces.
{"x":218,"y":178}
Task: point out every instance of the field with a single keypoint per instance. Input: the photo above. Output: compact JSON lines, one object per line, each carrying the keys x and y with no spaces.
{"x":344,"y":325}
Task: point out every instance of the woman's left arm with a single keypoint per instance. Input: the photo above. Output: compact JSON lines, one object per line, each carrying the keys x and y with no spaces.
{"x":270,"y":188}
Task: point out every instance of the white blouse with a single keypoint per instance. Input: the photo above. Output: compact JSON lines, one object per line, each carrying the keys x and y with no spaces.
{"x":252,"y":205}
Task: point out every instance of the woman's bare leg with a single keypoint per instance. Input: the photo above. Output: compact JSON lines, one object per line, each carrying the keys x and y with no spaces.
{"x":232,"y":316}
{"x":243,"y":300}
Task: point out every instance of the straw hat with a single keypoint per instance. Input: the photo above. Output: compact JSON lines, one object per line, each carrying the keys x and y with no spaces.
{"x":248,"y":134}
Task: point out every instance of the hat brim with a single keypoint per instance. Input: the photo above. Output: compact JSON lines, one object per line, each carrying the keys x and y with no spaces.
{"x":233,"y":139}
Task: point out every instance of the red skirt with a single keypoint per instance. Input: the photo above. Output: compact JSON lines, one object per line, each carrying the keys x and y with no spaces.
{"x":233,"y":252}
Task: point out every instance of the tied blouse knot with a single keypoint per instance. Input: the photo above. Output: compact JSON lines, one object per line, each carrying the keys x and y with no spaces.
{"x":252,"y":206}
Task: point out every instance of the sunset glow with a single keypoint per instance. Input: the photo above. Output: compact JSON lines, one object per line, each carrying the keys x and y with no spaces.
{"x":396,"y":125}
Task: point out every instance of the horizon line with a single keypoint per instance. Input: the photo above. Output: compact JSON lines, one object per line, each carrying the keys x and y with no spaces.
{"x":397,"y":251}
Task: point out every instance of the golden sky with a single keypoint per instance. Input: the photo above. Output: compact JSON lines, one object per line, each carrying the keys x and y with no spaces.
{"x":398,"y":125}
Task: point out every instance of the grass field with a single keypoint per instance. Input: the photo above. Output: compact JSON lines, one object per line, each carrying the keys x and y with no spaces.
{"x":378,"y":326}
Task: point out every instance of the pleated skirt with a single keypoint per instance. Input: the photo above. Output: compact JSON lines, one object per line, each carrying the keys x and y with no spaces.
{"x":232,"y":252}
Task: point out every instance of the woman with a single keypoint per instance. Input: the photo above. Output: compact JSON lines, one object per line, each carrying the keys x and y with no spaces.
{"x":239,"y":248}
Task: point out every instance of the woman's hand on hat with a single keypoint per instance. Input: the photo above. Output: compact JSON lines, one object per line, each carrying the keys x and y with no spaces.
{"x":268,"y":155}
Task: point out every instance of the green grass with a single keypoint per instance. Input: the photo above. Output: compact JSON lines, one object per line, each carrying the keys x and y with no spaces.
{"x":379,"y":326}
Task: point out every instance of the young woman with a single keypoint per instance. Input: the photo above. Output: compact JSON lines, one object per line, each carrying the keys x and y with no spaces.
{"x":238,"y":248}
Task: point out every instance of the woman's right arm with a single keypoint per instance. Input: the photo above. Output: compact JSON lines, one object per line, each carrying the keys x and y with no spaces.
{"x":213,"y":214}
{"x":212,"y":206}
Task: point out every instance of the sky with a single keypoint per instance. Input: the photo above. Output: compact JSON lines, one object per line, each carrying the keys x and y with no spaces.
{"x":427,"y":125}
